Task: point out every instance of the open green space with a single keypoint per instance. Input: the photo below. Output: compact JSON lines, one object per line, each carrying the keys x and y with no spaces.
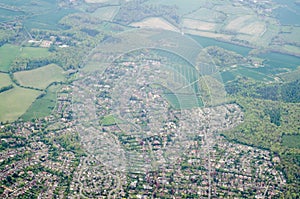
{"x":108,"y":120}
{"x":4,"y":80}
{"x":205,"y":42}
{"x":48,"y":20}
{"x":33,"y":52}
{"x":14,"y":102}
{"x":183,"y":6}
{"x":106,"y":13}
{"x":202,"y":13}
{"x":291,"y":76}
{"x":40,"y":77}
{"x":291,"y":141}
{"x":43,"y":105}
{"x":227,"y":76}
{"x":183,"y":101}
{"x":250,"y":73}
{"x":7,"y":14}
{"x":8,"y":53}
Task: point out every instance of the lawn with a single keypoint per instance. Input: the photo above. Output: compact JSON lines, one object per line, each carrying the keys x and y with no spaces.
{"x":15,"y":102}
{"x":8,"y":53}
{"x":42,"y":106}
{"x":40,"y":77}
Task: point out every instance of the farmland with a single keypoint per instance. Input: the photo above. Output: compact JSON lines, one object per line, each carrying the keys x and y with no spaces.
{"x":4,"y":80}
{"x":40,"y":77}
{"x":42,"y":106}
{"x":291,"y":141}
{"x":15,"y":102}
{"x":106,"y":13}
{"x":33,"y":52}
{"x":155,"y":23}
{"x":199,"y":25}
{"x":8,"y":53}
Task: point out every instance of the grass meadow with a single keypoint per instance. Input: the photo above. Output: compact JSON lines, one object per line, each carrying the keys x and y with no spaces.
{"x":4,"y":80}
{"x":8,"y":53}
{"x":15,"y":102}
{"x":42,"y":106}
{"x":40,"y":77}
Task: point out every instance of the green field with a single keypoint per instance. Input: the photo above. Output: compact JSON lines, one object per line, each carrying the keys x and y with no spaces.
{"x":42,"y":106}
{"x":4,"y":80}
{"x":8,"y":53}
{"x":15,"y":102}
{"x":40,"y":77}
{"x":7,"y":14}
{"x":291,"y":76}
{"x":108,"y":120}
{"x":183,"y":6}
{"x":33,"y":52}
{"x":183,"y":101}
{"x":106,"y":13}
{"x":245,"y":72}
{"x":202,"y":14}
{"x":227,"y":76}
{"x":291,"y":141}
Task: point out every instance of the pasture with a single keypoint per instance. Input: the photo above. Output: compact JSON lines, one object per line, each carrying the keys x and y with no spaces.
{"x":8,"y":53}
{"x":227,"y":76}
{"x":106,"y":13}
{"x":42,"y":106}
{"x":251,"y":73}
{"x":33,"y":52}
{"x":48,"y":20}
{"x":291,"y":141}
{"x":184,"y":7}
{"x":4,"y":80}
{"x":40,"y":77}
{"x":9,"y":14}
{"x":15,"y":102}
{"x":291,"y":76}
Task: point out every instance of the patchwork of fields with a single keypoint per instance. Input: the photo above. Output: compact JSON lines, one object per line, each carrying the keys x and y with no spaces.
{"x":9,"y":53}
{"x":17,"y":100}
